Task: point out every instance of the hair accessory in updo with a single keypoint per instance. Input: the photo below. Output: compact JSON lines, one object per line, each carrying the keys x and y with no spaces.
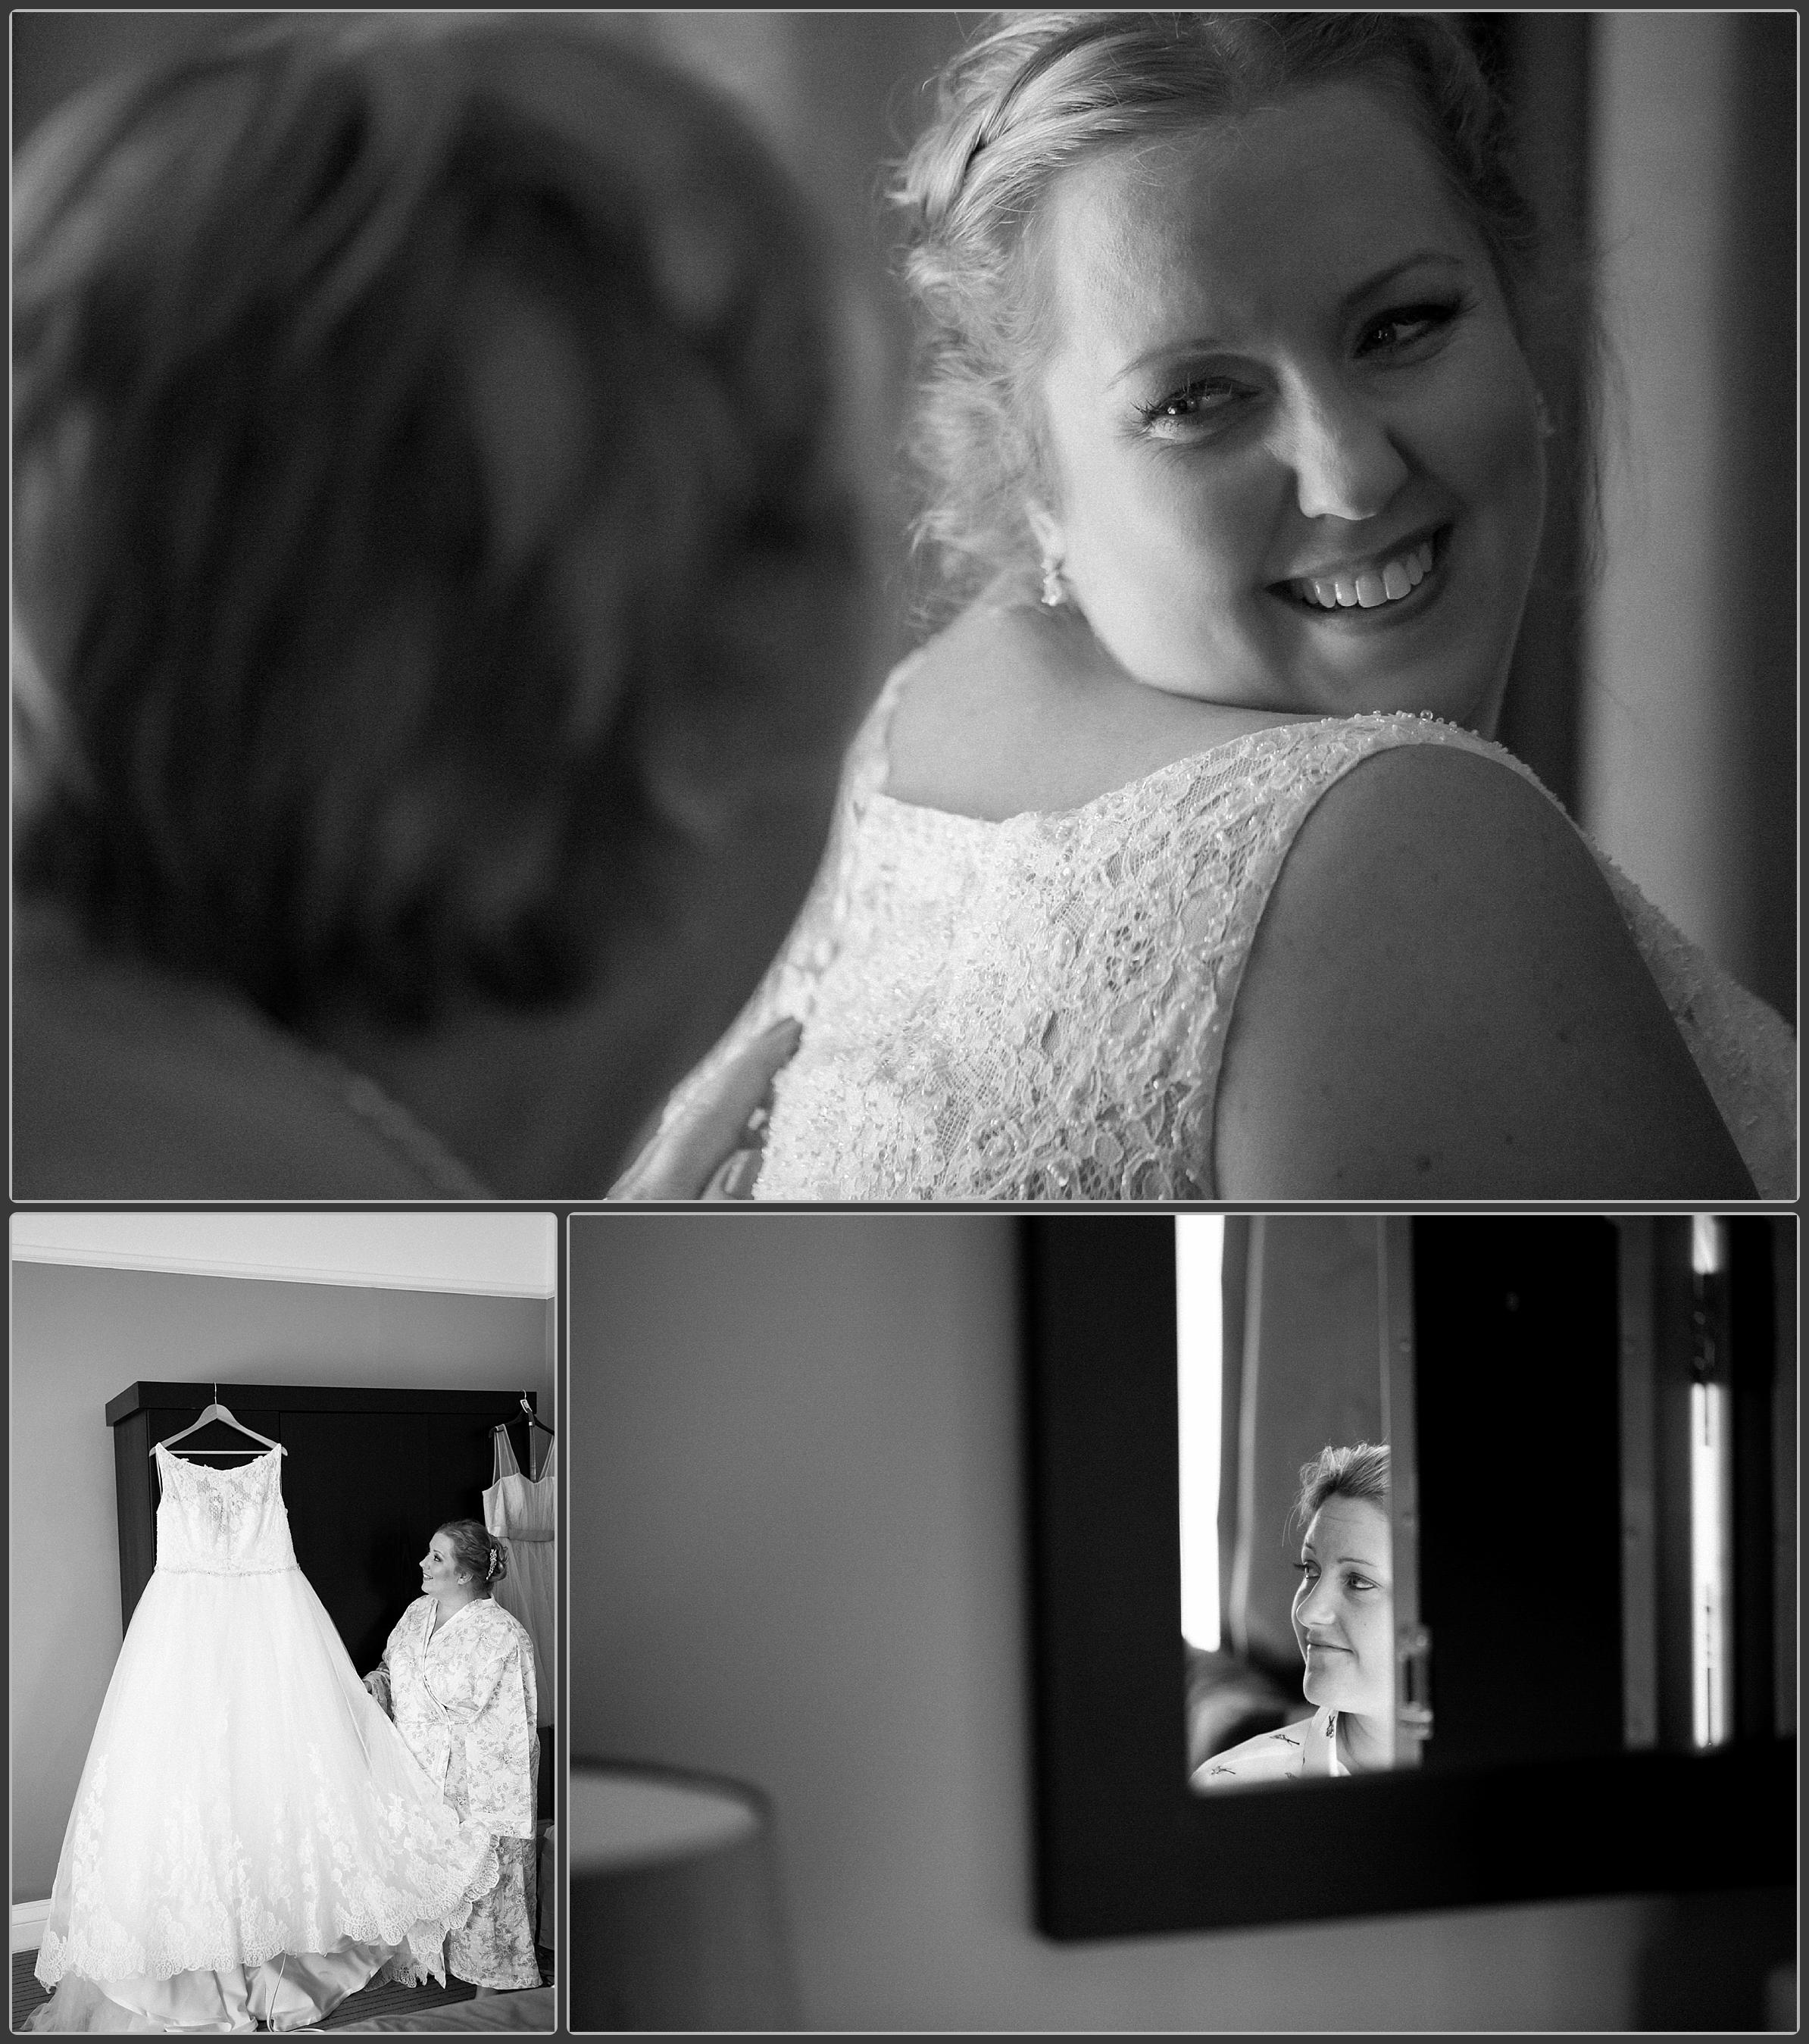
{"x":476,"y":1550}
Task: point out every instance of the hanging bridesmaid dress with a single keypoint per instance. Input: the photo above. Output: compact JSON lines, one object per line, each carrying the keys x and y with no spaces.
{"x":523,"y":1511}
{"x":251,"y":1840}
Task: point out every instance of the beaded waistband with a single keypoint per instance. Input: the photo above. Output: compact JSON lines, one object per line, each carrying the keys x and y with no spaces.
{"x":285,"y":1569}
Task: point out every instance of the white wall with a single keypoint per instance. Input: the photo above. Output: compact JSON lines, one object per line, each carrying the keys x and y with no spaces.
{"x":796,"y":1560}
{"x":79,"y":1336}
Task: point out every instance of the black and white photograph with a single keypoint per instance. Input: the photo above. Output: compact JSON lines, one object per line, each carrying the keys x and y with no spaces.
{"x":1019,"y":790}
{"x":284,"y":1671}
{"x":1319,"y":1355}
{"x":934,"y":1669}
{"x":846,"y":607}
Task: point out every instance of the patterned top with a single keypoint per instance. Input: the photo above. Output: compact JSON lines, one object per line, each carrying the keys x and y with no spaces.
{"x":461,"y":1695}
{"x":1037,"y":1008}
{"x":1291,"y":1753}
{"x":222,"y":1522}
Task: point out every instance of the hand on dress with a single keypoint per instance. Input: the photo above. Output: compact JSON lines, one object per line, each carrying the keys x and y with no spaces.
{"x":712,"y":1150}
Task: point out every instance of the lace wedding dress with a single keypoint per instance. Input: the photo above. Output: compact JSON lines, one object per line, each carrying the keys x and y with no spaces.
{"x":1036,"y":1008}
{"x":251,"y":1838}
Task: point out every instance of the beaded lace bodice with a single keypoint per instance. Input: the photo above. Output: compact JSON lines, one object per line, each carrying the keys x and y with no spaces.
{"x":222,"y":1522}
{"x":1037,"y":1008}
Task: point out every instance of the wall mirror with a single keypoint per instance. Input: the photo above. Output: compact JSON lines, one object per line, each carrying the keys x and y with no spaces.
{"x":1565,"y":1629}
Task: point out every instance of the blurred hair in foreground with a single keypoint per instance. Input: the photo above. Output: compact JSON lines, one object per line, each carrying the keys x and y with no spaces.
{"x":431,"y":528}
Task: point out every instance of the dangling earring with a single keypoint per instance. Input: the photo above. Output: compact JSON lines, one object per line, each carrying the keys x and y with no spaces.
{"x":1053,"y":594}
{"x":1546,"y":428}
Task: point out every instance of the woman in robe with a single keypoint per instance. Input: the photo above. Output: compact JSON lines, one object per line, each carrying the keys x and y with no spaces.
{"x":1343,"y":1615}
{"x":457,"y":1678}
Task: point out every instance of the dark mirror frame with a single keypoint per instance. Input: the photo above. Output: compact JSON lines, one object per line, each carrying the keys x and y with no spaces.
{"x":1123,"y":1847}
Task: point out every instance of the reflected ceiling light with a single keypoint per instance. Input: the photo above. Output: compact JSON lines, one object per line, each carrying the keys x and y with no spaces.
{"x":1199,"y":1313}
{"x":1711,"y":1493}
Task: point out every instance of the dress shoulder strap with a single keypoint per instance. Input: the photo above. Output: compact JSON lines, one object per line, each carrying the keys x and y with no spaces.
{"x":1276,"y":778}
{"x":1322,"y":752}
{"x":1745,"y":1053}
{"x":502,"y":1457}
{"x":1239,"y":808}
{"x":864,"y":766}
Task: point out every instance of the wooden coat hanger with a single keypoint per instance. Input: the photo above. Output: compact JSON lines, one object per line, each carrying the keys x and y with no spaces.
{"x":218,"y":1412}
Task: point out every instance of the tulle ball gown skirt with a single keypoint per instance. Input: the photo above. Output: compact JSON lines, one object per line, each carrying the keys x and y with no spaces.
{"x":251,"y":1840}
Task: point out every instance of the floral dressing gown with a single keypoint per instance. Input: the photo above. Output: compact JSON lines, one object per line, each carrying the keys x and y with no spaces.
{"x":461,"y":1692}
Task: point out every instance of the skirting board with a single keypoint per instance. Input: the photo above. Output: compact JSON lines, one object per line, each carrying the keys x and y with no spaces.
{"x":28,"y":1924}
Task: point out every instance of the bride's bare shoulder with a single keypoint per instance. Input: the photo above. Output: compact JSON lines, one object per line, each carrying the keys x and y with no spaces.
{"x":995,"y":650}
{"x":1442,"y":1001}
{"x":976,"y":694}
{"x":1014,"y":708}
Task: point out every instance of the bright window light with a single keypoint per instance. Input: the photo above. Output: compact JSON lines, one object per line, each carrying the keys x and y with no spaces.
{"x":1199,"y":1268}
{"x":1711,"y":1499}
{"x":1711,"y":1617}
{"x":1708,"y":1244}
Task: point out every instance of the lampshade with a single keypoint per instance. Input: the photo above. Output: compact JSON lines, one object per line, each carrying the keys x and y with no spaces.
{"x":675,"y":1918}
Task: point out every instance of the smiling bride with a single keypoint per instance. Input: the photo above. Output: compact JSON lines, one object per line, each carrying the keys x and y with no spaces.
{"x":1343,"y":1617}
{"x":1182,"y":866}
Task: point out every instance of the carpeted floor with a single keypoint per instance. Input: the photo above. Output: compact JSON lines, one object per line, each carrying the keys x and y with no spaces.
{"x":360,"y":2008}
{"x":27,"y":1995}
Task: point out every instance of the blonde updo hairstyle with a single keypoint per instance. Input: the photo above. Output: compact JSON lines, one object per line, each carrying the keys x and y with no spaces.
{"x":1036,"y":92}
{"x":1361,"y":1473}
{"x":478,"y":1551}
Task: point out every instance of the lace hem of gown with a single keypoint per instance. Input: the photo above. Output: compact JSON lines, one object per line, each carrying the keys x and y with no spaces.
{"x":413,"y":1924}
{"x":1037,"y":1008}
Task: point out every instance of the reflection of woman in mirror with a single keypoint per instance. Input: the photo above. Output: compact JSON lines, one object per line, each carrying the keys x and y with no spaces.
{"x":1344,"y":1623}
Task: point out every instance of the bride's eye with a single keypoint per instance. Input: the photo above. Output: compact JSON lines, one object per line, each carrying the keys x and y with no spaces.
{"x":1201,"y":402}
{"x":1402,"y":328}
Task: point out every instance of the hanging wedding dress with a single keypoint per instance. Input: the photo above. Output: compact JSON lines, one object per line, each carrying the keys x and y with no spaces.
{"x":251,"y":1838}
{"x":522,"y":1511}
